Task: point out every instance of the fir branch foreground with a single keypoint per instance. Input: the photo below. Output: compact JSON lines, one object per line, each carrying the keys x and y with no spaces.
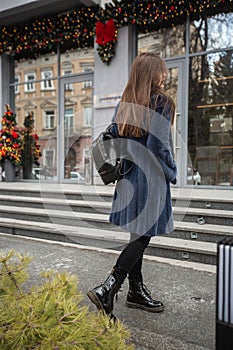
{"x":49,"y":316}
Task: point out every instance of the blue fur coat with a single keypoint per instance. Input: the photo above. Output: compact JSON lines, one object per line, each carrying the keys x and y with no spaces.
{"x":142,"y":199}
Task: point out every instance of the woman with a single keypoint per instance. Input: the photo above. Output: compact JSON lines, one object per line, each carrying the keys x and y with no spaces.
{"x":142,"y":199}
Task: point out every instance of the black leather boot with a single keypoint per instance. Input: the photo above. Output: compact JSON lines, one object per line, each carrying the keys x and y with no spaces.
{"x":139,"y":297}
{"x":103,"y":295}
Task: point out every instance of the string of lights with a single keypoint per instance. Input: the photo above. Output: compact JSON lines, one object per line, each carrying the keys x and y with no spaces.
{"x":77,"y":28}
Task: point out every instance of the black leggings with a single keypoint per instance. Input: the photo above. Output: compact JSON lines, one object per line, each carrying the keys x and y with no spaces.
{"x":130,"y":260}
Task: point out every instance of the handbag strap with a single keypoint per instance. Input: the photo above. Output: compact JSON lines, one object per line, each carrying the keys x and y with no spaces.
{"x":128,"y":170}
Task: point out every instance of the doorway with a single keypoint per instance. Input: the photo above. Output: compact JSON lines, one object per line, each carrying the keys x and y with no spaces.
{"x":75,"y":128}
{"x":175,"y":86}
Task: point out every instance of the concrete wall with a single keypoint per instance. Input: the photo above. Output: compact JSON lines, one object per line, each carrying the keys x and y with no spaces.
{"x":4,"y":81}
{"x":110,"y":80}
{"x":14,"y":11}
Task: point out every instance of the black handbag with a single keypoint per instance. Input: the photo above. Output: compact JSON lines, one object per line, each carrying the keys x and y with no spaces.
{"x":106,"y":155}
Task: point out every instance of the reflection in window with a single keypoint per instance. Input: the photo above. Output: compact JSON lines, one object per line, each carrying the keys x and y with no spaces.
{"x":167,"y":42}
{"x":212,"y":33}
{"x":68,"y":87}
{"x":17,"y":81}
{"x":47,"y":83}
{"x":87,"y":68}
{"x":210,"y":128}
{"x":30,"y":85}
{"x":87,"y":116}
{"x":67,"y":69}
{"x":69,"y":120}
{"x":48,"y":157}
{"x":38,"y":76}
{"x":49,"y":119}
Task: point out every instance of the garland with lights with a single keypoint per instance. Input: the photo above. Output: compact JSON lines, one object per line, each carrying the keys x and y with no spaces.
{"x":106,"y":38}
{"x":77,"y":28}
{"x":72,"y":30}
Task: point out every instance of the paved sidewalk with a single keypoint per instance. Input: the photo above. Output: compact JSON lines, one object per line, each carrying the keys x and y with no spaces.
{"x":188,"y":321}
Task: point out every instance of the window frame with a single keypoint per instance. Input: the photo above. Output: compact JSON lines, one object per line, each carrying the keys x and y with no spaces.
{"x":47,"y":119}
{"x":30,"y":82}
{"x":46,"y":83}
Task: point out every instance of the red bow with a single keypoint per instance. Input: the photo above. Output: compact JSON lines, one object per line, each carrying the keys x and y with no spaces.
{"x":105,"y":32}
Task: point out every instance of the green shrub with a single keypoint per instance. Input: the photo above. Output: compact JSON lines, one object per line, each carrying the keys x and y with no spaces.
{"x":49,"y":316}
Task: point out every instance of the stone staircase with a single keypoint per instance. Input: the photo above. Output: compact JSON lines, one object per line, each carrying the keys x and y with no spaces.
{"x":79,"y":214}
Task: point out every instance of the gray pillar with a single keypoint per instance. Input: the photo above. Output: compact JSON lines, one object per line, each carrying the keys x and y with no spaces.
{"x":6,"y":67}
{"x":110,"y":81}
{"x":5,"y":74}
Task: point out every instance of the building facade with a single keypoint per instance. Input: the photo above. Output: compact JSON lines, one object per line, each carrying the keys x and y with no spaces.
{"x":72,"y":95}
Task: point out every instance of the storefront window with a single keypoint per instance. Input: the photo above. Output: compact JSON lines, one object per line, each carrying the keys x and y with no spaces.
{"x":210,"y":117}
{"x":77,"y":126}
{"x":44,"y":111}
{"x":167,"y":42}
{"x":36,"y":92}
{"x":211,"y":33}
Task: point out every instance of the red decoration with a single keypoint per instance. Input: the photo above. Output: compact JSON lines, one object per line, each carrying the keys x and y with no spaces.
{"x":105,"y":32}
{"x":14,"y":135}
{"x":172,"y":8}
{"x":35,"y":137}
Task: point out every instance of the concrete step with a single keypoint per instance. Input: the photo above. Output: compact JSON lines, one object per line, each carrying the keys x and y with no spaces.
{"x":69,"y":213}
{"x":46,"y":191}
{"x":190,"y":214}
{"x":197,"y":198}
{"x":204,"y":216}
{"x":65,"y":217}
{"x":206,"y":233}
{"x":183,"y":229}
{"x":161,"y":246}
{"x":85,"y":205}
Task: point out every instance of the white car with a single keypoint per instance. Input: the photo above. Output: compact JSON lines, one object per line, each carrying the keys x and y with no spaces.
{"x":77,"y":177}
{"x":42,"y":174}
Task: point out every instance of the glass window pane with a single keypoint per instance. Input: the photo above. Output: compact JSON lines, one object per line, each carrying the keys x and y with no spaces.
{"x":17,"y":81}
{"x":87,"y":115}
{"x":78,"y":133}
{"x":36,"y":66}
{"x":47,"y":82}
{"x":69,"y":120}
{"x":74,"y":62}
{"x":49,"y":117}
{"x":30,"y":85}
{"x":212,"y":33}
{"x":210,"y":130}
{"x":44,"y":110}
{"x":168,"y":42}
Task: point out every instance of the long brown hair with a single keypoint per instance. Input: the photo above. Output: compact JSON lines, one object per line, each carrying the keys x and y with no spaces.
{"x":144,"y":82}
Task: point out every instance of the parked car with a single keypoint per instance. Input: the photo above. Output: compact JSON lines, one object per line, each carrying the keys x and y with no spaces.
{"x":42,"y":174}
{"x":77,"y":177}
